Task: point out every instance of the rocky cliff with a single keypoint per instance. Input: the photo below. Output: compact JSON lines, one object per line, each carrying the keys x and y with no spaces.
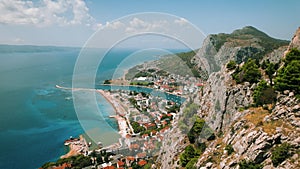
{"x":240,"y":45}
{"x":246,"y":135}
{"x":295,"y":43}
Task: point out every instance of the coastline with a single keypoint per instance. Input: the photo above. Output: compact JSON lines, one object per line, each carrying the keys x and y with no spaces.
{"x":76,"y":148}
{"x":117,"y":107}
{"x":81,"y":147}
{"x":120,"y":113}
{"x":121,"y":116}
{"x":183,"y":96}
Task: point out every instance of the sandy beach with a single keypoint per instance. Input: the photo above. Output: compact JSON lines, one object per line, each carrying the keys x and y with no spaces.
{"x":116,"y":105}
{"x":122,"y":125}
{"x":120,"y":111}
{"x":76,"y":148}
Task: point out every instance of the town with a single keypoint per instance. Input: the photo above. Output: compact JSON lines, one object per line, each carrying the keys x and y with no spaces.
{"x":143,"y":119}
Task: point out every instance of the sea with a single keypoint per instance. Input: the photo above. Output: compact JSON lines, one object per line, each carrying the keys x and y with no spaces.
{"x":36,"y":117}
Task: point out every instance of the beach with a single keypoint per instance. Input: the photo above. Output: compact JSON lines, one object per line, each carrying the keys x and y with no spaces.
{"x":120,"y":113}
{"x":77,"y":147}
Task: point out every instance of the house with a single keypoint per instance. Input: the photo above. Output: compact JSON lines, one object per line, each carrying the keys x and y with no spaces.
{"x":129,"y":160}
{"x":142,"y":79}
{"x":120,"y":164}
{"x":142,"y":163}
{"x":141,"y":155}
{"x":63,"y":166}
{"x":107,"y":166}
{"x":134,"y":146}
{"x":145,"y":136}
{"x":149,"y":126}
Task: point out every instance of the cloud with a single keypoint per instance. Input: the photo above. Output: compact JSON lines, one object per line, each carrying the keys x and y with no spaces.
{"x":139,"y":25}
{"x":114,"y":25}
{"x":181,"y":21}
{"x":45,"y":13}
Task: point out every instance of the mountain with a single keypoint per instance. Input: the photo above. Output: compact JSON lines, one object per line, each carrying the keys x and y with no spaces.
{"x":248,"y":124}
{"x":240,"y":45}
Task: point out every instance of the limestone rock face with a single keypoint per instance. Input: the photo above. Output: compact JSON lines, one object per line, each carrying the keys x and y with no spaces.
{"x":252,"y":133}
{"x":295,"y":43}
{"x":173,"y":143}
{"x":221,"y":100}
{"x":254,"y":141}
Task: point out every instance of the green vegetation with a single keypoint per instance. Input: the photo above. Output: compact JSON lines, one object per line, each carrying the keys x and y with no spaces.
{"x":133,"y":101}
{"x":188,"y":156}
{"x":280,"y":153}
{"x":143,"y":74}
{"x":231,"y":65}
{"x":249,"y":72}
{"x":137,"y":128}
{"x":229,"y":149}
{"x":270,"y":69}
{"x":162,"y":73}
{"x":198,"y":130}
{"x":191,"y":164}
{"x":245,"y":36}
{"x":270,"y":72}
{"x":77,"y":162}
{"x":186,"y":57}
{"x":174,"y":109}
{"x":288,"y":77}
{"x":249,"y":165}
{"x":188,"y":117}
{"x":142,"y":83}
{"x":132,"y":72}
{"x":264,"y":94}
{"x":181,"y":64}
{"x":219,"y":41}
{"x":192,"y":152}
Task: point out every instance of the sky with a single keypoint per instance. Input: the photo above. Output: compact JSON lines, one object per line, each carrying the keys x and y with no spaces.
{"x":73,"y":22}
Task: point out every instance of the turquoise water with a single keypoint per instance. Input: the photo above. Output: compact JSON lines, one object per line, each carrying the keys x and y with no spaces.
{"x":35,"y":117}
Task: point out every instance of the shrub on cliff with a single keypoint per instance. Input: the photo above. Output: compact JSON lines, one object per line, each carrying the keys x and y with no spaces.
{"x":263,"y":94}
{"x":188,"y":154}
{"x":196,"y":130}
{"x":288,"y":77}
{"x":191,"y":164}
{"x":249,"y":72}
{"x":249,"y":165}
{"x":229,"y":149}
{"x":280,"y":153}
{"x":231,"y":65}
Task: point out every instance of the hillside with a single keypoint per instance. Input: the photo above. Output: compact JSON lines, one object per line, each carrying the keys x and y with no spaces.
{"x":250,"y":107}
{"x":240,"y":45}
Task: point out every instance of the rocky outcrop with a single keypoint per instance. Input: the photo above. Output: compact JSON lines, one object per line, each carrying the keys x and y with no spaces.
{"x":276,"y":55}
{"x":174,"y":143}
{"x":222,"y":99}
{"x":240,"y":45}
{"x":295,"y":43}
{"x":254,"y":138}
